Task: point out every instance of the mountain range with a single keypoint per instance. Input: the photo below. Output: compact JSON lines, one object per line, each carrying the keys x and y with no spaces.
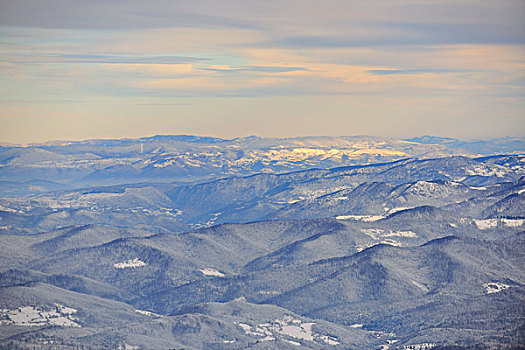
{"x":252,"y":243}
{"x":37,"y":168}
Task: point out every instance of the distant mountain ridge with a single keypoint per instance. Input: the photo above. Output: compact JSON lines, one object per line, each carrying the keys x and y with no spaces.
{"x":171,"y":158}
{"x":373,"y":190}
{"x":501,"y":145}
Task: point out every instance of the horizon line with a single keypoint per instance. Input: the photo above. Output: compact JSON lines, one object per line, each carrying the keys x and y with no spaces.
{"x":6,"y":144}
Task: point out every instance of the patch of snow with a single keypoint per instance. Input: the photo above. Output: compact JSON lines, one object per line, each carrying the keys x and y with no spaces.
{"x":288,"y":327}
{"x":303,"y":331}
{"x":513,"y":222}
{"x":268,"y":292}
{"x":292,"y":342}
{"x":148,"y":313}
{"x":245,"y":327}
{"x":357,"y":325}
{"x":377,"y":234}
{"x":57,"y":315}
{"x":127,"y":347}
{"x":371,"y":218}
{"x":395,"y":210}
{"x":257,"y":331}
{"x":420,"y":286}
{"x":422,"y":346}
{"x":485,"y":170}
{"x":486,"y":224}
{"x":365,"y":218}
{"x":212,"y":272}
{"x":408,"y":234}
{"x":10,"y":210}
{"x":290,"y":201}
{"x":382,"y":152}
{"x":329,"y":340}
{"x":347,"y":217}
{"x":208,"y":223}
{"x":491,"y":223}
{"x":65,"y":310}
{"x":495,"y":287}
{"x":169,"y":212}
{"x":388,"y":241}
{"x":228,"y":341}
{"x":390,"y":342}
{"x":521,"y":191}
{"x":373,"y":233}
{"x":130,"y":263}
{"x":267,"y":338}
{"x":392,"y":242}
{"x":361,"y":247}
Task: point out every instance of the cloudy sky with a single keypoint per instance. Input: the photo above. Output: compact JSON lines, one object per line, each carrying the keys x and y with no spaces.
{"x":72,"y":69}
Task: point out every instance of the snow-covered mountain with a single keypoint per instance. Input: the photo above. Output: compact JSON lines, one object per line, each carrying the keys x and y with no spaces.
{"x":192,"y":158}
{"x":410,"y":247}
{"x":378,"y":189}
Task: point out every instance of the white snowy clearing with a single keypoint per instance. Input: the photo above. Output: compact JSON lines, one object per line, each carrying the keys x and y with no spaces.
{"x":383,"y":237}
{"x":388,"y":241}
{"x":130,"y":263}
{"x":204,"y":224}
{"x":148,"y":313}
{"x":513,"y":222}
{"x":422,"y":346}
{"x":290,"y":327}
{"x":268,"y":292}
{"x":395,"y":210}
{"x":491,"y":223}
{"x":390,"y":342}
{"x":408,"y":234}
{"x":486,"y":170}
{"x":212,"y":272}
{"x":366,"y":218}
{"x":495,"y":287}
{"x":420,"y":286}
{"x":292,"y":342}
{"x":57,"y":315}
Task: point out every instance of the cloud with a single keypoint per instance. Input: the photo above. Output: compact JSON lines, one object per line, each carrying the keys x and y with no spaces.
{"x":257,"y":69}
{"x":108,"y":59}
{"x":118,"y":15}
{"x":409,"y":34}
{"x":417,"y":71}
{"x":331,"y":23}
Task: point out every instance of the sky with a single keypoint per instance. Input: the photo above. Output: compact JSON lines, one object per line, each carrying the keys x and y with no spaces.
{"x":72,"y":69}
